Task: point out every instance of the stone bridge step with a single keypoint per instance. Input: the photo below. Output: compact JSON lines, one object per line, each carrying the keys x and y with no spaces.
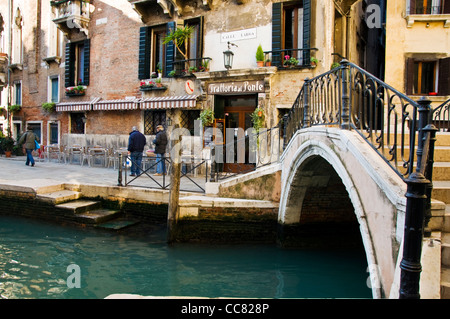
{"x":441,"y":191}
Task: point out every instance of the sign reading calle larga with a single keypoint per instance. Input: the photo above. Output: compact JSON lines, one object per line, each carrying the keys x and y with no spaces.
{"x":236,"y":87}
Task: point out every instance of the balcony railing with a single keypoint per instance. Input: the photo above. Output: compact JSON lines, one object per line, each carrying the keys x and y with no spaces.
{"x":419,"y":8}
{"x":290,"y":58}
{"x":187,"y":67}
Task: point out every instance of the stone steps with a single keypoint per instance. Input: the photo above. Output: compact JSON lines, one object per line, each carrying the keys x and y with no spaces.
{"x":82,"y":211}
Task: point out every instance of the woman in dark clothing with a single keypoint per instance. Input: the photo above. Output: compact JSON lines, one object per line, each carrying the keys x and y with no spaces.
{"x":160,"y":142}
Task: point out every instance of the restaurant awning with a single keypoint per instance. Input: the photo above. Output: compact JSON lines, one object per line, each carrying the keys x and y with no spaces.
{"x":169,"y":102}
{"x":114,"y":105}
{"x":75,"y":106}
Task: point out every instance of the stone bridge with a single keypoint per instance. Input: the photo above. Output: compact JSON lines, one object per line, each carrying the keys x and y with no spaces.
{"x":345,"y":174}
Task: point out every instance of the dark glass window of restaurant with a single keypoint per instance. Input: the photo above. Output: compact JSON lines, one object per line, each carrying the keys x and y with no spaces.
{"x":77,"y":123}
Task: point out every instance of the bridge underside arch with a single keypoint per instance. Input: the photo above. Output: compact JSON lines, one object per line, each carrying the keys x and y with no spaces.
{"x":318,"y":208}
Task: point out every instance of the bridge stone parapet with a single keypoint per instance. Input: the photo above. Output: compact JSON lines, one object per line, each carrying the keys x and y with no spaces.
{"x":311,"y":159}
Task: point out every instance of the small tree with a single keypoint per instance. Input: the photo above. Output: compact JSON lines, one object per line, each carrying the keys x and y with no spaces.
{"x":259,"y":54}
{"x":180,"y":37}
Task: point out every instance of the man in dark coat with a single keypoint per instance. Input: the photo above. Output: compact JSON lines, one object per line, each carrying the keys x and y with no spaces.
{"x":160,"y":142}
{"x":29,"y":138}
{"x":136,"y":143}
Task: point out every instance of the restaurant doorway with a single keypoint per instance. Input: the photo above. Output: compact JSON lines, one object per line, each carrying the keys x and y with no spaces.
{"x":234,"y":111}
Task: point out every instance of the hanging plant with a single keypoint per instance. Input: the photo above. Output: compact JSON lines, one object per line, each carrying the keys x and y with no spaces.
{"x":207,"y":117}
{"x":14,"y":108}
{"x":49,"y":106}
{"x":258,"y":118}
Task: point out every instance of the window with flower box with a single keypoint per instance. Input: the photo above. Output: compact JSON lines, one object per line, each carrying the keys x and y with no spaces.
{"x":77,"y":57}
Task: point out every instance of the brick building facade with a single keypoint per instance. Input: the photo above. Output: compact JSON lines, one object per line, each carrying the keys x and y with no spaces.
{"x":95,"y":60}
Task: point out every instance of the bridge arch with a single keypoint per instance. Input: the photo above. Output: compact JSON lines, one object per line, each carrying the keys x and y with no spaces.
{"x":325,"y":151}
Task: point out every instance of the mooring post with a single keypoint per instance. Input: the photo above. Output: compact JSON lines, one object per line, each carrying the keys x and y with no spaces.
{"x":174,"y":194}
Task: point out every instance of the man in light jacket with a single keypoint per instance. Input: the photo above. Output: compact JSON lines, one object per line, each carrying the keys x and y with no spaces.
{"x":30,"y":145}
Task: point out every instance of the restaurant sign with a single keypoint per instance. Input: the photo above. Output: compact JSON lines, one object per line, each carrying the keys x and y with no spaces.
{"x":236,"y":87}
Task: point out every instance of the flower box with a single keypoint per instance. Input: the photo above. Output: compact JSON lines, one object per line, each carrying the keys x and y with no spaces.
{"x":150,"y":85}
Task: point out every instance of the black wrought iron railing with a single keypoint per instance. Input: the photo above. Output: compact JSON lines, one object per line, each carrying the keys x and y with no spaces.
{"x":291,"y":58}
{"x":187,"y":67}
{"x":399,"y":129}
{"x":146,"y":177}
{"x":440,"y":117}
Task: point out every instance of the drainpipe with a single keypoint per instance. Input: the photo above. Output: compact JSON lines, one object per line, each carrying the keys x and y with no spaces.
{"x":8,"y":81}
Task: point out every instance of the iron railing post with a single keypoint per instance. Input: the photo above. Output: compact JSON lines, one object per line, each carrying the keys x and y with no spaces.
{"x":417,"y":202}
{"x":213,"y":164}
{"x":306,"y":107}
{"x":413,"y":235}
{"x":285,"y":124}
{"x":119,"y":177}
{"x":345,"y":114}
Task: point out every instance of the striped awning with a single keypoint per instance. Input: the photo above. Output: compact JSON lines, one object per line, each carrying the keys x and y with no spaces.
{"x":169,"y":102}
{"x":75,"y":106}
{"x":114,"y":105}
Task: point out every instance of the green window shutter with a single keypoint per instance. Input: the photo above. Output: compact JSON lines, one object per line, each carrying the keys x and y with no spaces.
{"x":409,"y":78}
{"x":306,"y":31}
{"x":87,"y":54}
{"x":277,"y":16}
{"x":444,"y":77}
{"x":144,"y":53}
{"x":446,"y":4}
{"x":69,"y":71}
{"x":170,"y":50}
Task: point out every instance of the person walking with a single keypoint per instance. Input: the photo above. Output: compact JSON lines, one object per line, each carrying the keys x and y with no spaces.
{"x":136,"y":143}
{"x":30,"y":139}
{"x":160,"y":142}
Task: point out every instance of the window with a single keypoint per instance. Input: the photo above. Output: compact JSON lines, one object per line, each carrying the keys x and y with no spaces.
{"x":16,"y":55}
{"x":188,"y":118}
{"x":291,"y":30}
{"x":55,"y":38}
{"x":428,"y":6}
{"x":53,"y":134}
{"x":18,"y":93}
{"x":53,"y":94}
{"x":152,"y":51}
{"x":152,"y":119}
{"x":77,"y":121}
{"x":428,"y":76}
{"x":77,"y":63}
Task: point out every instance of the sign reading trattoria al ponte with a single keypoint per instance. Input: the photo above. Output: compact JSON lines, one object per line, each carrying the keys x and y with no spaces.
{"x":236,"y":87}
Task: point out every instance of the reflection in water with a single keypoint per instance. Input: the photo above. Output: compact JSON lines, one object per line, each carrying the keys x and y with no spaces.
{"x":34,"y":257}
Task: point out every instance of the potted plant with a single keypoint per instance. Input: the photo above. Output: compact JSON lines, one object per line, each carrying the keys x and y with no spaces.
{"x":7,"y":145}
{"x":260,"y":56}
{"x":290,"y":61}
{"x":258,"y":119}
{"x":14,"y":108}
{"x":159,"y":69}
{"x":205,"y":65}
{"x":268,"y":62}
{"x":76,"y":90}
{"x":314,"y":62}
{"x":49,"y":106}
{"x":180,"y":37}
{"x":335,"y":65}
{"x":206,"y":117}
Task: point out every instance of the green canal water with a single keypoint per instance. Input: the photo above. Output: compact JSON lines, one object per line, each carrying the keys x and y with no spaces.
{"x":44,"y":260}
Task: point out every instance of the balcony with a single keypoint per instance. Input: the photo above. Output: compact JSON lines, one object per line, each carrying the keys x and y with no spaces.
{"x":72,"y":14}
{"x":3,"y":68}
{"x":427,"y":13}
{"x":146,"y":8}
{"x":291,"y":58}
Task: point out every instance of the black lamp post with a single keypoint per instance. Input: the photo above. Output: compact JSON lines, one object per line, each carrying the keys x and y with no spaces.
{"x":228,"y":57}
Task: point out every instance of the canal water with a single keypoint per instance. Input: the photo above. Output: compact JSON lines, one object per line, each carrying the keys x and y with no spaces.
{"x":44,"y":260}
